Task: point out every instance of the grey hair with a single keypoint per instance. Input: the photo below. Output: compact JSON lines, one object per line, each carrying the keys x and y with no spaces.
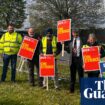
{"x":92,"y":35}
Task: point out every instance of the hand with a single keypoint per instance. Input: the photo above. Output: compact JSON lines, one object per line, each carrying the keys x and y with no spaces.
{"x":83,"y":66}
{"x":42,"y":54}
{"x":100,"y":47}
{"x":62,"y":42}
{"x":54,"y":55}
{"x":74,"y":50}
{"x":11,"y":50}
{"x":1,"y":55}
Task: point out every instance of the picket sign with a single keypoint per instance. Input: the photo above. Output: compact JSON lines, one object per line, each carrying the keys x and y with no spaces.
{"x":27,"y":50}
{"x":47,"y":67}
{"x":91,"y":58}
{"x":63,"y":32}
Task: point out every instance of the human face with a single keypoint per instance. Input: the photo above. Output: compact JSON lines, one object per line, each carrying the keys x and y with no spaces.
{"x":10,"y":29}
{"x":31,"y":32}
{"x":49,"y":34}
{"x":75,"y":34}
{"x":91,"y":40}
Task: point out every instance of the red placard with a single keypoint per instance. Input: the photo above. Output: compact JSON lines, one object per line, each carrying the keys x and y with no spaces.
{"x":47,"y":66}
{"x":91,"y":58}
{"x":28,"y":47}
{"x":64,"y":30}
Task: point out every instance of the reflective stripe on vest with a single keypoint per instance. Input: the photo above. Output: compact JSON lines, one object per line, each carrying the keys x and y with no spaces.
{"x":44,"y":44}
{"x":85,"y":46}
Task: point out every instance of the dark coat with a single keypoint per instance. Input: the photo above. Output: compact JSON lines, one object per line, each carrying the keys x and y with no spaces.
{"x":37,"y":52}
{"x":68,"y":48}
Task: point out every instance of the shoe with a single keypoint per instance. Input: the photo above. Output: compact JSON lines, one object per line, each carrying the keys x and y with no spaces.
{"x":32,"y":84}
{"x":40,"y":85}
{"x":2,"y":81}
{"x":57,"y":88}
{"x":13,"y":81}
{"x":44,"y":87}
{"x":71,"y":90}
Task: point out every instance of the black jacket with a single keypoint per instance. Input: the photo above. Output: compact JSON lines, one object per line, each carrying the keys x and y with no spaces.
{"x":59,"y":48}
{"x":37,"y":51}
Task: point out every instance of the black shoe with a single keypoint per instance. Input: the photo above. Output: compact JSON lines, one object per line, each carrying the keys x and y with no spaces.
{"x":13,"y":81}
{"x":40,"y":85}
{"x":2,"y":81}
{"x":44,"y":87}
{"x":57,"y":88}
{"x":32,"y":84}
{"x":72,"y":90}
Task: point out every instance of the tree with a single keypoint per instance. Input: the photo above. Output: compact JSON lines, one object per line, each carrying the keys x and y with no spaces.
{"x":84,"y":13}
{"x":39,"y":17}
{"x":12,"y":11}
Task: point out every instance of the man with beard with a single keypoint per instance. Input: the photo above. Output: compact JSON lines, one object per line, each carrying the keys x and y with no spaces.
{"x":10,"y":44}
{"x":49,"y":45}
{"x":34,"y":61}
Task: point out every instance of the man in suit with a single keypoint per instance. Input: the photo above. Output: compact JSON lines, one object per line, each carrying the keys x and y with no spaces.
{"x":74,"y":48}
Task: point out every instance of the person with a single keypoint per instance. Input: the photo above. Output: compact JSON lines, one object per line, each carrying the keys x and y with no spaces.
{"x":34,"y":61}
{"x":92,"y":41}
{"x":10,"y":44}
{"x":74,"y":48}
{"x":49,"y":45}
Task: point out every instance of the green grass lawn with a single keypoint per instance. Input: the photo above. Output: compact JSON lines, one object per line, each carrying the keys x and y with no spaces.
{"x":20,"y":93}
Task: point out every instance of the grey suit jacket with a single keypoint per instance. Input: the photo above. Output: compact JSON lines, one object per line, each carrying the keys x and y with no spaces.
{"x":68,"y":48}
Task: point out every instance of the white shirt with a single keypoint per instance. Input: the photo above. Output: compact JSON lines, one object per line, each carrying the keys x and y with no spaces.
{"x":78,"y":45}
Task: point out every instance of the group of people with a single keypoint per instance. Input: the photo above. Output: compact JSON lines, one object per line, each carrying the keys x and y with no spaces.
{"x":76,"y":59}
{"x":10,"y":43}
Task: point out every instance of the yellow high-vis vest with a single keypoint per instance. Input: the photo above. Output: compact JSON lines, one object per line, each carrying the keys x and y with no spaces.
{"x":85,"y":46}
{"x":54,"y":44}
{"x":10,"y":43}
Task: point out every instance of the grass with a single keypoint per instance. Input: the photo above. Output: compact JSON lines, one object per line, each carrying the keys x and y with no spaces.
{"x":20,"y":93}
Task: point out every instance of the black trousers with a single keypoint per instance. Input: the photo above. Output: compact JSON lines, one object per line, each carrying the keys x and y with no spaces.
{"x":76,"y":65}
{"x":93,"y":74}
{"x":31,"y":65}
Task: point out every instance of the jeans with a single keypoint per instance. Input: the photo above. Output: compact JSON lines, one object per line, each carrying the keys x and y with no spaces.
{"x":6,"y":60}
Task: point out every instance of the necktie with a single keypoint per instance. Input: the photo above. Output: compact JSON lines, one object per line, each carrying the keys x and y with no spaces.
{"x":75,"y":43}
{"x":75,"y":47}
